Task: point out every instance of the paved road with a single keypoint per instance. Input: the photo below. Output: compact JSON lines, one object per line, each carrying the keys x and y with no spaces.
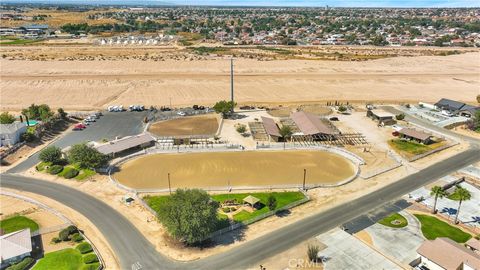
{"x":109,"y":125}
{"x":131,"y":247}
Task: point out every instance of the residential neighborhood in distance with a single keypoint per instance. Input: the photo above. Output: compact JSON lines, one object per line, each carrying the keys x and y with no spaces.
{"x":239,"y":135}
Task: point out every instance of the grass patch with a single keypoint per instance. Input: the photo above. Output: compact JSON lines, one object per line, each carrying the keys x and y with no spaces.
{"x":65,"y":259}
{"x":276,"y":50}
{"x":17,"y":223}
{"x":395,"y":220}
{"x":432,"y":228}
{"x":208,"y":50}
{"x":155,"y":201}
{"x":411,"y":148}
{"x":20,"y":41}
{"x":42,"y":165}
{"x":283,"y":199}
{"x":84,"y":174}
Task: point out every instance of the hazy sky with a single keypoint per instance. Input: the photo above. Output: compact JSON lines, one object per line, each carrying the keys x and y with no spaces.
{"x":338,"y":3}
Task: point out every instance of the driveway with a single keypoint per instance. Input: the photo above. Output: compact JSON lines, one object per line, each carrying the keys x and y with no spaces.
{"x":344,"y":251}
{"x":399,"y":243}
{"x":109,"y":126}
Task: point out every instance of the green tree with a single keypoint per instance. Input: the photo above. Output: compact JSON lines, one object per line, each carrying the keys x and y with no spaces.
{"x":241,"y":129}
{"x":438,"y":192}
{"x":86,"y":156}
{"x":224,"y":107}
{"x":39,"y":112}
{"x":342,"y":108}
{"x":51,"y":154}
{"x":6,"y":118}
{"x":460,"y":194}
{"x":62,"y":113}
{"x":271,"y":202}
{"x":189,"y":215}
{"x":400,"y":116}
{"x":286,"y":133}
{"x":478,"y":98}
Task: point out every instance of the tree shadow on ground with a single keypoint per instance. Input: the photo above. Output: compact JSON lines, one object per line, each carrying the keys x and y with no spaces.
{"x":283,"y":213}
{"x":229,"y":237}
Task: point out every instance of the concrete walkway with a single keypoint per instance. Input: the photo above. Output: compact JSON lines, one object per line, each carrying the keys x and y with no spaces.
{"x":400,"y":243}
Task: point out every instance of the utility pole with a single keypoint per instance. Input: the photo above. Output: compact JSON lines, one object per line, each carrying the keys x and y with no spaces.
{"x":231,"y":85}
{"x":304,"y":177}
{"x":169,"y":186}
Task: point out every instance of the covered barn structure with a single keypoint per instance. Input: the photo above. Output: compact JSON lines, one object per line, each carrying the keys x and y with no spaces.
{"x":271,"y":129}
{"x":115,"y":147}
{"x":312,"y":127}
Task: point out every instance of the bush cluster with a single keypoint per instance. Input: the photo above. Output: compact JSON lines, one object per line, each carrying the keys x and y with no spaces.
{"x":55,"y":169}
{"x":70,"y":173}
{"x":22,"y":265}
{"x":64,"y":234}
{"x":90,"y":258}
{"x":76,"y":237}
{"x":84,"y":247}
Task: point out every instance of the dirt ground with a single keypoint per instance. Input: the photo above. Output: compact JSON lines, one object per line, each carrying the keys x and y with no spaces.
{"x":187,"y":126}
{"x":69,"y":84}
{"x":259,"y":168}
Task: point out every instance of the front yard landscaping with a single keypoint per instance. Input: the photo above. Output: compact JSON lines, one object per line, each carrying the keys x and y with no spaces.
{"x":432,"y":228}
{"x":395,"y":220}
{"x":411,"y":148}
{"x":67,"y":259}
{"x":282,"y":199}
{"x":17,"y":223}
{"x":70,"y":171}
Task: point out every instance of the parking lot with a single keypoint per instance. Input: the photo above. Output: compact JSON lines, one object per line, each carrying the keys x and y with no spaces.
{"x":108,"y":126}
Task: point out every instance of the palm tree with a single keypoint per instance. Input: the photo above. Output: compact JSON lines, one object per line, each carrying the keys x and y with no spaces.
{"x":438,"y":192}
{"x":286,"y":133}
{"x":461,"y":195}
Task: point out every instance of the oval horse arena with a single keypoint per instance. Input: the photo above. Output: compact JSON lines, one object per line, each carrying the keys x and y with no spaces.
{"x":236,"y":170}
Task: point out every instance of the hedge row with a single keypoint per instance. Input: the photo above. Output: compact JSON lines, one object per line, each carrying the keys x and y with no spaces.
{"x":84,"y":247}
{"x":55,"y":169}
{"x":71,"y":173}
{"x":90,"y":258}
{"x":92,"y":266}
{"x":22,"y":265}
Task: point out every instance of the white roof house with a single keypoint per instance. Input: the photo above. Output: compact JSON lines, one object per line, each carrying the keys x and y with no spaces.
{"x":15,"y":245}
{"x":10,"y":133}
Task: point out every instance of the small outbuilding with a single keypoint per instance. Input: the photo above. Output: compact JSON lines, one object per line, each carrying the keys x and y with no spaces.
{"x":415,"y":135}
{"x":252,"y":201}
{"x":117,"y":146}
{"x":382,"y":117}
{"x":271,"y":129}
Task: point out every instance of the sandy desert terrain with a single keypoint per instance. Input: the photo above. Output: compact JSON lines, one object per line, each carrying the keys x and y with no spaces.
{"x":85,"y":85}
{"x":195,"y":125}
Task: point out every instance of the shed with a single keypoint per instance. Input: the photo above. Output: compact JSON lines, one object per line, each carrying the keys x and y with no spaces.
{"x":251,"y":200}
{"x":382,"y":117}
{"x":271,"y":128}
{"x":120,"y":145}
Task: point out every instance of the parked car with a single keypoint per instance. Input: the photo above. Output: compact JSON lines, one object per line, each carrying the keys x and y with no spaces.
{"x":79,"y":127}
{"x":333,"y":118}
{"x":181,"y":113}
{"x":395,"y":133}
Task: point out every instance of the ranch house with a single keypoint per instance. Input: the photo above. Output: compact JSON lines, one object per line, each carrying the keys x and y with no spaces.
{"x":415,"y":135}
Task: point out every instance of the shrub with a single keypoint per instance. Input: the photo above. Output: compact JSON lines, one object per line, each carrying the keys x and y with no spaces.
{"x":51,"y":154}
{"x":241,"y":129}
{"x":90,"y":258}
{"x":42,"y":165}
{"x":55,"y":169}
{"x":71,"y":173}
{"x":27,"y":137}
{"x":84,"y":247}
{"x":400,"y":116}
{"x":272,"y":202}
{"x":23,"y":264}
{"x":76,"y":237}
{"x":312,"y":253}
{"x":56,"y":240}
{"x":92,"y":266}
{"x":6,"y":118}
{"x":342,"y":108}
{"x":64,"y":234}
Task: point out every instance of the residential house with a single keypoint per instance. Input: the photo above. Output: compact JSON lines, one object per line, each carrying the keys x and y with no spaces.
{"x":10,"y":134}
{"x":445,"y":254}
{"x":15,"y":246}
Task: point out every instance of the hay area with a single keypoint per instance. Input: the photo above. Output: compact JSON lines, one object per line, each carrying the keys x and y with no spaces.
{"x":252,"y":168}
{"x":204,"y":125}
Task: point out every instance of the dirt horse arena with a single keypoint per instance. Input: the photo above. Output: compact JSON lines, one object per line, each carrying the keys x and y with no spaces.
{"x":237,"y":169}
{"x":186,"y":126}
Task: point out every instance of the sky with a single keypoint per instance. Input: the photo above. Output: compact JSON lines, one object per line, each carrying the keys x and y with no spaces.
{"x":300,"y":3}
{"x":338,"y":3}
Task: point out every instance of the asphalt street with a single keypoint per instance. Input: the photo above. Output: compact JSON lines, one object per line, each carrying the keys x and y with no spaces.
{"x":109,"y":126}
{"x":133,"y":249}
